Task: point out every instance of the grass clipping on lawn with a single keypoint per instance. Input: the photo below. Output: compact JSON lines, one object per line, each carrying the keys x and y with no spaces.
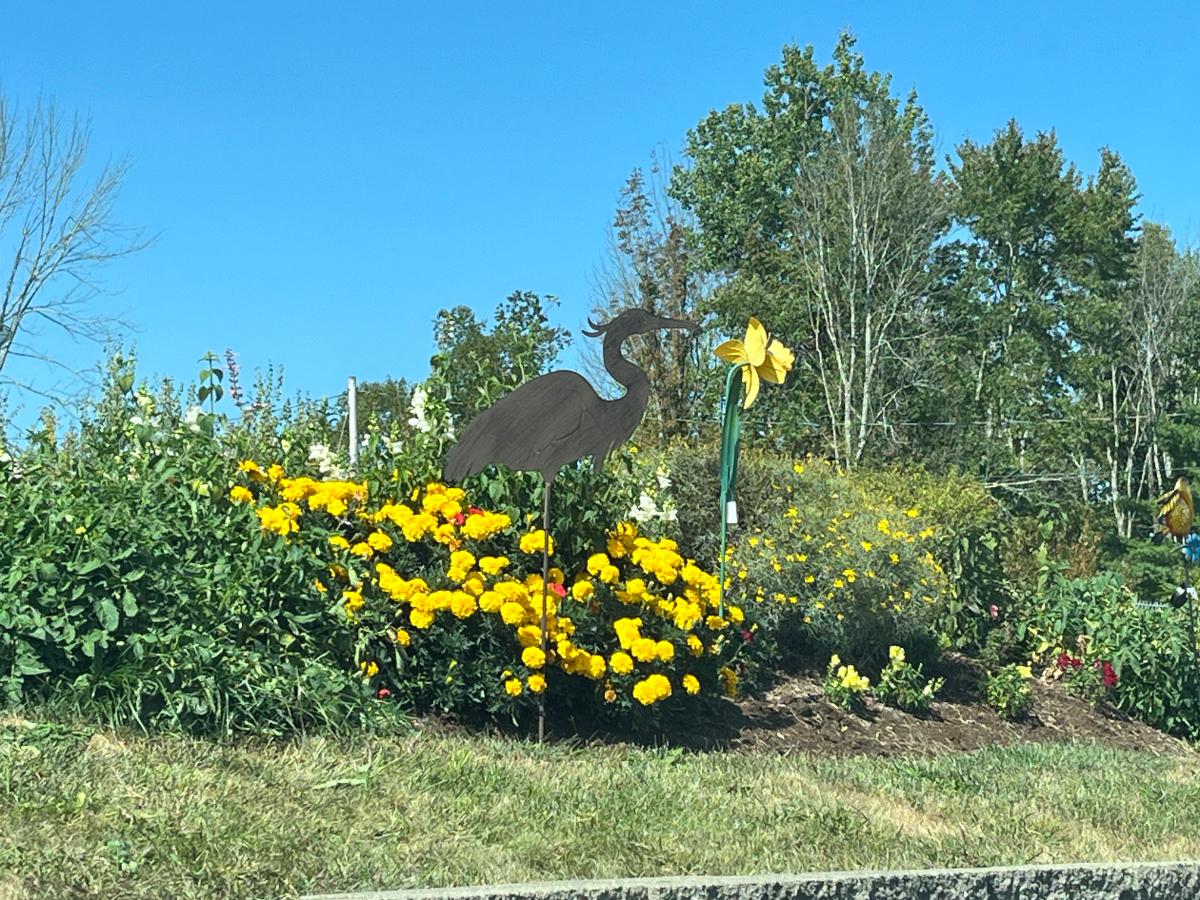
{"x":86,"y":812}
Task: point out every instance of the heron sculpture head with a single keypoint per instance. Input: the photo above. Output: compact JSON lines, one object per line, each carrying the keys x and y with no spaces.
{"x":636,"y":320}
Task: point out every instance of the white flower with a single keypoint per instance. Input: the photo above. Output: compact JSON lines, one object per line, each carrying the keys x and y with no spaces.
{"x":191,"y":418}
{"x":323,"y":457}
{"x":418,"y":419}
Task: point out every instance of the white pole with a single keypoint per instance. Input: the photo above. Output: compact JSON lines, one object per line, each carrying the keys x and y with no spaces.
{"x":352,"y":408}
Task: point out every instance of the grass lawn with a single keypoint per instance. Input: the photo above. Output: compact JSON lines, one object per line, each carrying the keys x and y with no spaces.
{"x":83,"y":812}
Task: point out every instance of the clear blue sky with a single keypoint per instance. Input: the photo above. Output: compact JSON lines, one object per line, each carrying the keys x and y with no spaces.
{"x":323,"y":178}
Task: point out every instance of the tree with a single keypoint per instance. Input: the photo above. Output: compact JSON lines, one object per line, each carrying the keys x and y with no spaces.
{"x":475,"y":366}
{"x":822,"y":212}
{"x":653,"y":263}
{"x":57,"y":230}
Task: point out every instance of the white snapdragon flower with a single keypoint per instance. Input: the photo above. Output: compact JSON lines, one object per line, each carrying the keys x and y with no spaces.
{"x":419,"y":420}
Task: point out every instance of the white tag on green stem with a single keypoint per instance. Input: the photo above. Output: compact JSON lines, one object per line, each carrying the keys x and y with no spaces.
{"x":731,"y":512}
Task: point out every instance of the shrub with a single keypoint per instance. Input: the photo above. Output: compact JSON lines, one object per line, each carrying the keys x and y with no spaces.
{"x":903,"y":685}
{"x":840,"y":566}
{"x":1147,"y":644}
{"x":135,"y":594}
{"x":1009,"y":692}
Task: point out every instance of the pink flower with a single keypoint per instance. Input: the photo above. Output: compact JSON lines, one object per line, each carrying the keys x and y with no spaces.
{"x":994,"y":611}
{"x":557,"y":588}
{"x":383,"y":693}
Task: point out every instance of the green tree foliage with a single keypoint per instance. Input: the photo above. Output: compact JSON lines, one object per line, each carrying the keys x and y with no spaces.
{"x":821,"y":212}
{"x":476,"y":365}
{"x":654,"y":263}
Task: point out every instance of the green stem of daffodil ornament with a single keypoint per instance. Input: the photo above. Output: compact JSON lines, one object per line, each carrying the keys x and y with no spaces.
{"x":731,"y":434}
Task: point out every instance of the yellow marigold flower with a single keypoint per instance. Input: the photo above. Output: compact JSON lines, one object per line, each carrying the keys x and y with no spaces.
{"x":239,"y":494}
{"x":379,"y":542}
{"x":695,"y":645}
{"x":596,"y":667}
{"x":275,"y":472}
{"x":339,"y":542}
{"x":529,"y":635}
{"x":716,"y":623}
{"x":449,"y":510}
{"x":462,"y":605}
{"x":583,"y":591}
{"x":489,"y":601}
{"x":912,"y":512}
{"x":736,"y":616}
{"x":691,"y":684}
{"x":512,"y":613}
{"x":353,"y":601}
{"x":319,"y":585}
{"x":370,"y":669}
{"x":402,"y":637}
{"x":609,"y":574}
{"x":644,"y":649}
{"x":536,"y":682}
{"x":417,"y":526}
{"x":253,"y":469}
{"x":420,"y":618}
{"x":363,"y":549}
{"x":627,"y":631}
{"x":652,"y":689}
{"x":533,"y":657}
{"x":665,"y":650}
{"x":621,"y":663}
{"x":513,"y":687}
{"x":535,"y":541}
{"x":483,"y":525}
{"x":492,"y":565}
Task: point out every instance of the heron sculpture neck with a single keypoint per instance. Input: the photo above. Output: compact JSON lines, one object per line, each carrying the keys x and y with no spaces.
{"x":626,"y":374}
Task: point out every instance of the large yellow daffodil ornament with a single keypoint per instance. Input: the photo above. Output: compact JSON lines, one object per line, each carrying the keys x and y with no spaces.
{"x":759,"y":358}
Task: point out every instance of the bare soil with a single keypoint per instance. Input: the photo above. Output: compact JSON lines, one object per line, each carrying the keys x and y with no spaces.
{"x":792,"y":716}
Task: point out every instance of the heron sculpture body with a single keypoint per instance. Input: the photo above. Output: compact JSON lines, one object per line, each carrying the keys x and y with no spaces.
{"x":557,"y":419}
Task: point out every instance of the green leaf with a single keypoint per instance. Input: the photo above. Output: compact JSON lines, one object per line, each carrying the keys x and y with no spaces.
{"x":129,"y":604}
{"x":107,"y":612}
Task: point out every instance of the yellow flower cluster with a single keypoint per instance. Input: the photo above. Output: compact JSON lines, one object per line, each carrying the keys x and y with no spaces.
{"x":672,"y":601}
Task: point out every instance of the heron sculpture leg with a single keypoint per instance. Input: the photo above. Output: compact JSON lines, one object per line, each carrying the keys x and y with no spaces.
{"x":545,"y":578}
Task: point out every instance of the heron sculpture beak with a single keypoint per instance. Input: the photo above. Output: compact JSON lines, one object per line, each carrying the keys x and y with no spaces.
{"x":655,"y":323}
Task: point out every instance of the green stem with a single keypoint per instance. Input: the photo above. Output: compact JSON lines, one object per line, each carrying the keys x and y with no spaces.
{"x":730,"y":443}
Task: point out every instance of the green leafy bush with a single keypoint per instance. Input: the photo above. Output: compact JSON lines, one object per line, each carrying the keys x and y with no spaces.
{"x":1148,"y":644}
{"x":135,"y":592}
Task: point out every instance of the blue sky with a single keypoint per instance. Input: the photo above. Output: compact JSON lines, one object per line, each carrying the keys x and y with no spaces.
{"x":321,"y":181}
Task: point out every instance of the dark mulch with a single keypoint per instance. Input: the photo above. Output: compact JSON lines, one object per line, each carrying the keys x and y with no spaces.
{"x":792,"y":716}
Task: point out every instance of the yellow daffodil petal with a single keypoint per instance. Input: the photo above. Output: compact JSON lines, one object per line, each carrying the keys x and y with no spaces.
{"x":781,"y":354}
{"x":773,"y":370}
{"x":751,"y":381}
{"x":732,"y":352}
{"x":756,"y":342}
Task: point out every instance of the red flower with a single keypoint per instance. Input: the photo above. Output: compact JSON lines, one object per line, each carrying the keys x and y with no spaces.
{"x":474,"y":511}
{"x":459,"y":519}
{"x":1066,"y":661}
{"x":747,"y":635}
{"x":557,"y":588}
{"x":383,"y":693}
{"x":1108,"y":676}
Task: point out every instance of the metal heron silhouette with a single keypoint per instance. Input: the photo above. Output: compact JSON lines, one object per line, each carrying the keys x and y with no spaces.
{"x":557,"y":419}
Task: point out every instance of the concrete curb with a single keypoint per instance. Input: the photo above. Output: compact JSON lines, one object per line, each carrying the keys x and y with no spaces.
{"x":1119,"y":881}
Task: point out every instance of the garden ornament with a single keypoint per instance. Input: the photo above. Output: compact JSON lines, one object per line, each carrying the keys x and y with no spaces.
{"x":1177,"y":512}
{"x":558,"y":418}
{"x":757,"y":359}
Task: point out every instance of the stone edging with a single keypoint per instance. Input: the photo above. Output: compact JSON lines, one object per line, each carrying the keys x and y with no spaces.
{"x":1118,"y":881}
